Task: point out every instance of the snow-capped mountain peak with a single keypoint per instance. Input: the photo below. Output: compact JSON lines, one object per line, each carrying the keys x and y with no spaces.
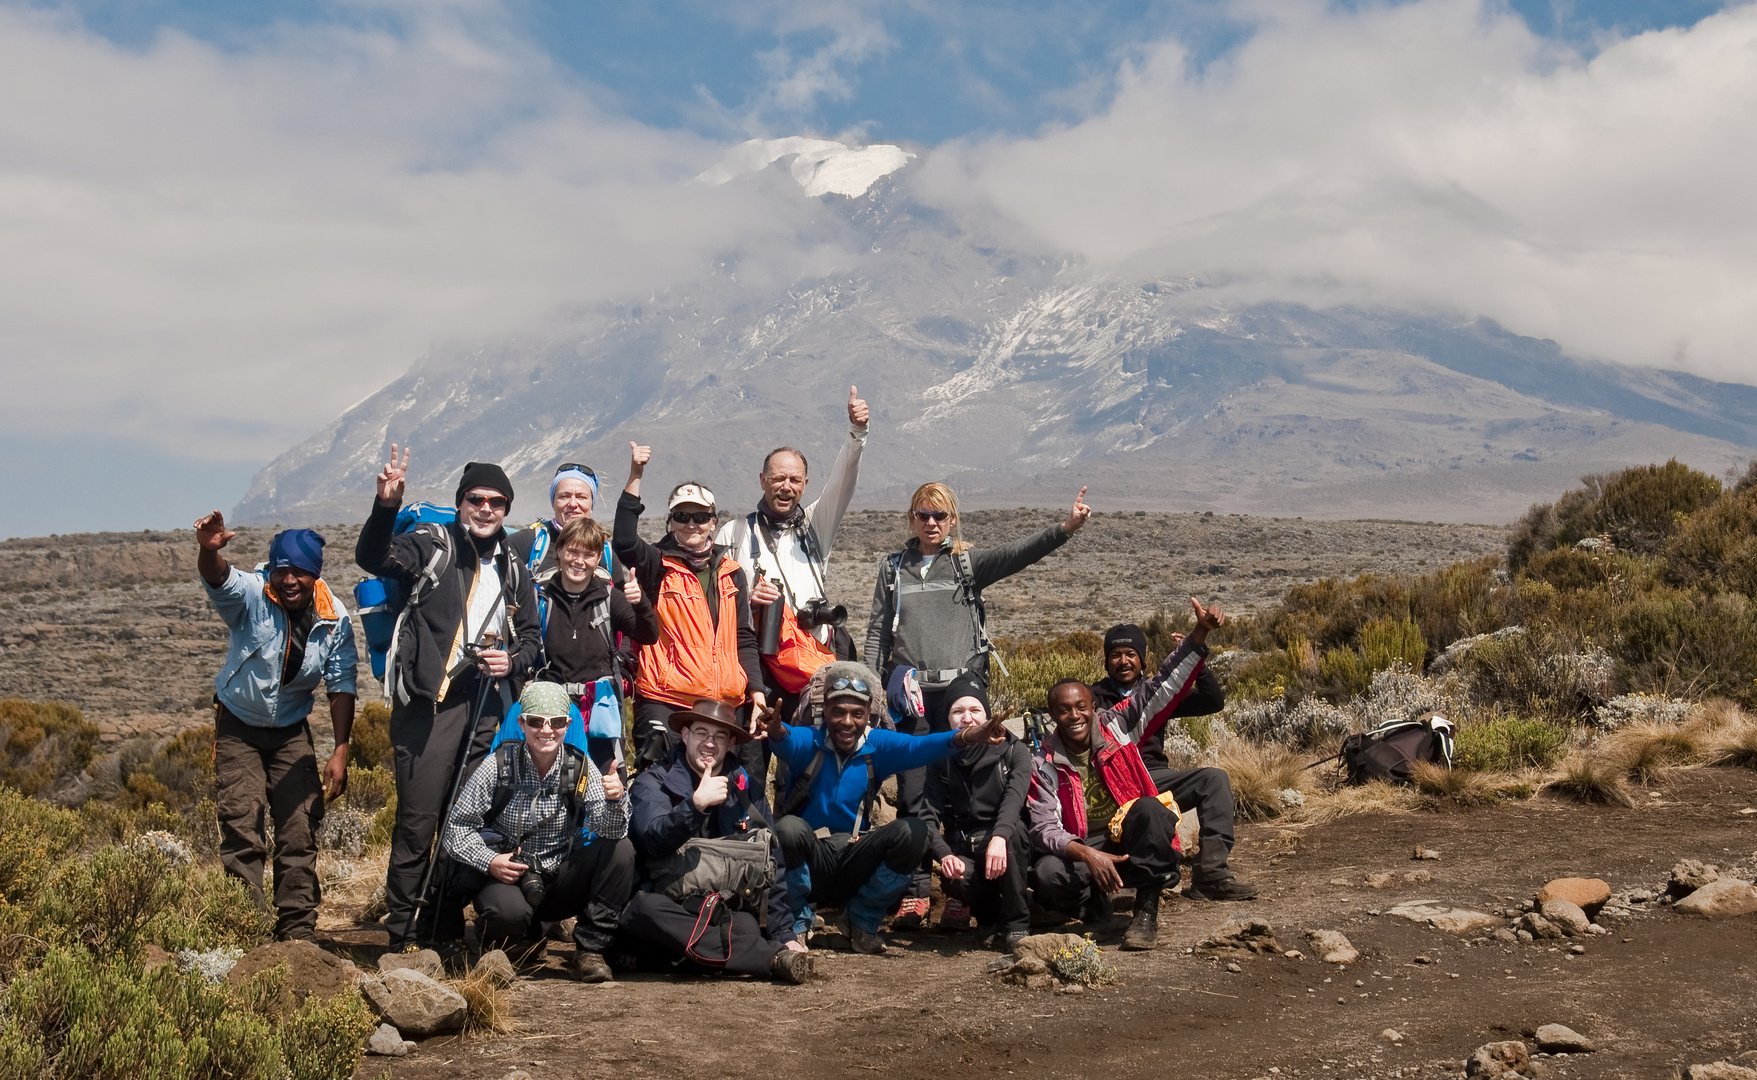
{"x":821,"y":166}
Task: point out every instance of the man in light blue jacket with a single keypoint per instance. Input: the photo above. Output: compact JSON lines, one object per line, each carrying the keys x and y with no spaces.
{"x":288,"y":633}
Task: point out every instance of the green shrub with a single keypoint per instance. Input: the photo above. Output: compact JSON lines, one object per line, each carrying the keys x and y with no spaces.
{"x":35,"y":839}
{"x":43,"y":744}
{"x":1717,"y":547}
{"x":325,"y":1038}
{"x":370,"y":790}
{"x":1035,"y":666}
{"x":105,"y":902}
{"x":369,"y":741}
{"x":216,"y":911}
{"x":1509,"y":744}
{"x":1641,"y":507}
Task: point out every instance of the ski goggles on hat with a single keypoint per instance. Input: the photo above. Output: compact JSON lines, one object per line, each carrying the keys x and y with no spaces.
{"x":572,"y":466}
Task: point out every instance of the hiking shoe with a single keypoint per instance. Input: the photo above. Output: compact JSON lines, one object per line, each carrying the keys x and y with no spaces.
{"x":1010,"y":940}
{"x":955,"y":915}
{"x":1220,"y":888}
{"x":1143,"y":931}
{"x":865,"y":941}
{"x":790,"y":966}
{"x":911,"y":912}
{"x":589,"y":967}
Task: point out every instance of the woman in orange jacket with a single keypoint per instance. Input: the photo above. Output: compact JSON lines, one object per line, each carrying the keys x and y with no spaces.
{"x":707,"y":645}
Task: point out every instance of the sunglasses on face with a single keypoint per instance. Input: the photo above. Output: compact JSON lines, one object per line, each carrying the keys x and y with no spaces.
{"x":931,"y":515}
{"x":538,"y":723}
{"x":574,"y":466}
{"x":493,"y":502}
{"x":850,"y":682}
{"x":687,"y":517}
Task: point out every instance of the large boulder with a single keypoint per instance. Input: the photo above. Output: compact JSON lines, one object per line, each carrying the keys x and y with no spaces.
{"x":1719,"y":899}
{"x":1568,"y":916}
{"x":310,"y":970}
{"x":415,"y":1004}
{"x":1332,"y":947}
{"x":1587,"y":894}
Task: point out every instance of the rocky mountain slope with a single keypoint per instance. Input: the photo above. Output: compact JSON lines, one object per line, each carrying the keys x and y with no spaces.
{"x":1019,"y":376}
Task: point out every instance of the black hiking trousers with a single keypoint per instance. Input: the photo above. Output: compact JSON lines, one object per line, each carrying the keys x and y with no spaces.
{"x":1064,"y":883}
{"x":998,"y":904}
{"x":658,"y":929}
{"x":590,"y":886}
{"x":1208,"y":792}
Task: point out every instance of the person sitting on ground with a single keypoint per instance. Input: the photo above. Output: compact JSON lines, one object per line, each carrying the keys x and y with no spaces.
{"x":927,"y":614}
{"x":1207,"y":791}
{"x":984,"y":849}
{"x":783,"y":548}
{"x":835,"y":771}
{"x":287,"y":632}
{"x":515,"y":840}
{"x":1096,"y":818}
{"x":473,"y":637}
{"x":702,"y":793}
{"x":573,"y":495}
{"x":707,"y":645}
{"x":582,"y":612}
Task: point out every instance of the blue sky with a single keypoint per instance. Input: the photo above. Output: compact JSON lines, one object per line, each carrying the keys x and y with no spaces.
{"x":918,"y":71}
{"x":223,"y":223}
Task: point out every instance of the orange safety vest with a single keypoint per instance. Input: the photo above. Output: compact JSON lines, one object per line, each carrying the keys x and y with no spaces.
{"x":693,"y":658}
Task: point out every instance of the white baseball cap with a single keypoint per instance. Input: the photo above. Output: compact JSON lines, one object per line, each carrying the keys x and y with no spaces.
{"x":691,"y":493}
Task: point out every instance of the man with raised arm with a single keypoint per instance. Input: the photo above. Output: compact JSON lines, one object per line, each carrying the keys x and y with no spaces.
{"x":288,"y":632}
{"x":1097,"y":821}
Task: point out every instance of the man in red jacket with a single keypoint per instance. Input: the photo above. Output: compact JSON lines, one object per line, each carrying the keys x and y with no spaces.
{"x":1096,"y":819}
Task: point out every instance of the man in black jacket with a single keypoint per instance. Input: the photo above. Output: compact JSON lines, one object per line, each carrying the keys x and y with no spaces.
{"x":468,"y":636}
{"x":1207,"y":791}
{"x":982,"y":845}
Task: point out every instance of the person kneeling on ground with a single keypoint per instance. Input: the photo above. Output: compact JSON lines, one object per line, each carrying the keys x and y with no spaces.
{"x":1207,"y":791}
{"x":836,"y":770}
{"x":702,"y":793}
{"x":515,"y":838}
{"x":1095,"y":814}
{"x":984,"y":851}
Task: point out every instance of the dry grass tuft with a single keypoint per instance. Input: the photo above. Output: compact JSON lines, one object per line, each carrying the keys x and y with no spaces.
{"x":1262,"y":776}
{"x":1377,"y":797}
{"x":490,"y":1003}
{"x":1591,"y":778}
{"x":1463,"y":787}
{"x":1647,"y":749}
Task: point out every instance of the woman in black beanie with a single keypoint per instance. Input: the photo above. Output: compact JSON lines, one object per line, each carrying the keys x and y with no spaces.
{"x":983,"y":850}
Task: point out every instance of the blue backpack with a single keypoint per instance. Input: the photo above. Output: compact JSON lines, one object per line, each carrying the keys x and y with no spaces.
{"x":380,"y":601}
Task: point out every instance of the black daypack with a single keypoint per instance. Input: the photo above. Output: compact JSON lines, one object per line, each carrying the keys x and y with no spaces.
{"x":1390,"y":751}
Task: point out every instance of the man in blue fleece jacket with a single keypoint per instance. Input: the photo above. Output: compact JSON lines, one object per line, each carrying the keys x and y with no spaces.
{"x":835,"y":774}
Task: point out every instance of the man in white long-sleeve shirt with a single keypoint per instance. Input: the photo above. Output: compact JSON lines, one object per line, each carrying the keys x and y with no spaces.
{"x":783,"y":547}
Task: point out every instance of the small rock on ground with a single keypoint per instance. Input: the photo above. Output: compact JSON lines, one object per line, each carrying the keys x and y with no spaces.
{"x":1568,"y":916}
{"x":497,"y":967}
{"x":426,"y":961}
{"x":1587,"y":894}
{"x":1043,"y":946}
{"x":1690,"y":875}
{"x":1441,"y":917}
{"x":1560,"y":1039}
{"x":1425,"y":853}
{"x":1391,"y":1035}
{"x":415,"y":1004}
{"x":1243,"y":933}
{"x":1719,"y":899}
{"x":1499,"y":1061}
{"x":387,"y":1041}
{"x":1332,"y":947}
{"x":1719,"y":1070}
{"x":1534,"y":925}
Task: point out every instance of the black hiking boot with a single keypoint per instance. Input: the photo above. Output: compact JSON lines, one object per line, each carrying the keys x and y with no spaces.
{"x":1143,"y":931}
{"x":790,"y":966}
{"x":589,"y":967}
{"x":1219,"y":887}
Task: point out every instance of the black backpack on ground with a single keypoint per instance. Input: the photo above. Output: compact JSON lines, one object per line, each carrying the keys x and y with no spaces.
{"x":1390,"y":751}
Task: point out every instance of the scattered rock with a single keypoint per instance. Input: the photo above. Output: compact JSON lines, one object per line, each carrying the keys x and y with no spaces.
{"x":1425,"y":853}
{"x":1534,"y":925}
{"x":1381,"y":881}
{"x":415,"y":1004}
{"x":1043,"y":946}
{"x":1341,"y":882}
{"x":387,"y":1041}
{"x":1441,"y":917}
{"x":1559,"y":1039}
{"x":1030,"y":965}
{"x":1391,"y":1035}
{"x":1294,"y":954}
{"x":1232,"y":966}
{"x":497,"y":967}
{"x":1522,"y":935}
{"x":1253,"y":934}
{"x":1587,"y":894}
{"x":1332,"y":946}
{"x":310,"y":970}
{"x":1720,"y":899}
{"x":426,"y":961}
{"x":1499,"y":1060}
{"x":1040,"y":982}
{"x":1719,"y":1070}
{"x":1423,"y":960}
{"x":1577,"y":950}
{"x":1504,"y":936}
{"x":1418,"y":877}
{"x":1688,"y":876}
{"x":1569,"y":917}
{"x":1071,"y":988}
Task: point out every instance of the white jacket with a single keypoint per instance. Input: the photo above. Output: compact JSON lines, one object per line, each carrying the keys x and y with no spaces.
{"x":789,"y":566}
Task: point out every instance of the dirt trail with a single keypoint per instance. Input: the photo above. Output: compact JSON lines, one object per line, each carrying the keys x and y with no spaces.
{"x":1660,"y":990}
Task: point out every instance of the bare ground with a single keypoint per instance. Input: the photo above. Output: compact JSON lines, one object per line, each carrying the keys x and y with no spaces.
{"x":1661,"y":990}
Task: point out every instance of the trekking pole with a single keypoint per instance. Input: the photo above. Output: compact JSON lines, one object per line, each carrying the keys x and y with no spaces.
{"x":436,"y":850}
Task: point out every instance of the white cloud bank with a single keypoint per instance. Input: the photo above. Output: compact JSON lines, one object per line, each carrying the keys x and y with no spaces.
{"x":1433,"y":153}
{"x":214,"y":252}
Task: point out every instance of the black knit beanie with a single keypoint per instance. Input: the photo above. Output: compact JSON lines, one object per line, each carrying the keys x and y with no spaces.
{"x":1126,"y":634}
{"x":481,"y":474}
{"x":965,"y":685}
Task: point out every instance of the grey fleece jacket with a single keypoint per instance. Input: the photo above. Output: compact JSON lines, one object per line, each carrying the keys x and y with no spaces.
{"x":931,"y":626}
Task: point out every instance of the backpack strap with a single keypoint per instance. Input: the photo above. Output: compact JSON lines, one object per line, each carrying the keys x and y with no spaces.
{"x":896,"y":561}
{"x":504,"y":756}
{"x":801,"y":789}
{"x":539,"y":545}
{"x":965,"y":572}
{"x":866,"y":800}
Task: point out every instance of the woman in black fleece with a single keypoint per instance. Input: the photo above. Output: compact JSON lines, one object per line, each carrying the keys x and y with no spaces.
{"x":582,"y":616}
{"x":984,"y":850}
